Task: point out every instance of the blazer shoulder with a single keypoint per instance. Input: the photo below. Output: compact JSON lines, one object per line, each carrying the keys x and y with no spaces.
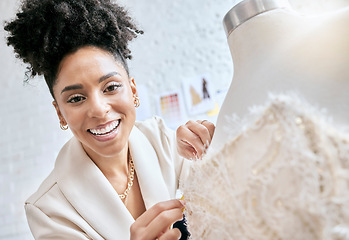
{"x":59,"y":168}
{"x":154,"y":126}
{"x":45,"y":187}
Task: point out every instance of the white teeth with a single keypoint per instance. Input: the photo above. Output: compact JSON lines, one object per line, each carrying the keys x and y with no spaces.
{"x":106,"y":129}
{"x":109,"y":128}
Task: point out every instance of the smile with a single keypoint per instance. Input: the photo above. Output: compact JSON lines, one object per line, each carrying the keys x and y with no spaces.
{"x":106,"y":129}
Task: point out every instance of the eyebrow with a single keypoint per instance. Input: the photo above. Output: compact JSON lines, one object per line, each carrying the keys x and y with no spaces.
{"x":107,"y":76}
{"x":72,"y":87}
{"x":79,"y":86}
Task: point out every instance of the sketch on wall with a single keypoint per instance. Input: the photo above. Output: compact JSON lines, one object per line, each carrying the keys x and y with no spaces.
{"x":198,"y":94}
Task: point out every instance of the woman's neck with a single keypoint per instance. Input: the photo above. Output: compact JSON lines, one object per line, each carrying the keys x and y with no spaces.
{"x":111,"y":166}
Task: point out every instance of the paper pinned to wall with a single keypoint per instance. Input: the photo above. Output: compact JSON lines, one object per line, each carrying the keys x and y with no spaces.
{"x":198,"y":95}
{"x":170,"y":108}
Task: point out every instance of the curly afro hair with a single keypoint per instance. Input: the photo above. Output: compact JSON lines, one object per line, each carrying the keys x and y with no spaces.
{"x":44,"y":31}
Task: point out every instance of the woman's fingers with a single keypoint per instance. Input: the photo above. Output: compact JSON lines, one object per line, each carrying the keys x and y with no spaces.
{"x":154,"y":211}
{"x":186,"y":150}
{"x":201,"y":131}
{"x":162,"y":223}
{"x":197,"y":135}
{"x":210,"y":127}
{"x":171,"y":234}
{"x":188,"y":143}
{"x":156,"y":221}
{"x":194,"y":137}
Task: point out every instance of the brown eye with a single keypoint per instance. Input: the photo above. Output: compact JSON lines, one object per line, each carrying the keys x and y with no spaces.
{"x":76,"y":99}
{"x":112,"y":87}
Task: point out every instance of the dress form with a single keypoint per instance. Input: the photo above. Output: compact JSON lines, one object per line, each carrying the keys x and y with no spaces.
{"x":277,"y":50}
{"x":282,"y":172}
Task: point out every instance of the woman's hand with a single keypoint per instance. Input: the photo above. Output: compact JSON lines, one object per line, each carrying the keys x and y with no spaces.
{"x":194,"y":137}
{"x":155,"y":223}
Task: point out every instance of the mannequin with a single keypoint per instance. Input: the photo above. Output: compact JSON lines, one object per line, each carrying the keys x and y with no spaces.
{"x":281,"y":170}
{"x":278,"y":50}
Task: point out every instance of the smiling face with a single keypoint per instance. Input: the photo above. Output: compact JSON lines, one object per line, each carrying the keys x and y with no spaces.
{"x":95,"y":97}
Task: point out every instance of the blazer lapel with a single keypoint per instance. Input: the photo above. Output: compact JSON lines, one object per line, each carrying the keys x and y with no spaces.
{"x":94,"y":198}
{"x":148,"y":170}
{"x":91,"y":194}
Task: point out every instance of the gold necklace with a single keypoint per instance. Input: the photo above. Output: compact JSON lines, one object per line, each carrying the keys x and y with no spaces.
{"x":130,"y":177}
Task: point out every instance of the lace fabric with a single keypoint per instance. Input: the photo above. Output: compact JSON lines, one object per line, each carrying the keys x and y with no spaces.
{"x":284,"y":175}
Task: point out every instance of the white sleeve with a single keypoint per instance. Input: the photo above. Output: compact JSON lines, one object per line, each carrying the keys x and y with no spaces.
{"x":44,"y":227}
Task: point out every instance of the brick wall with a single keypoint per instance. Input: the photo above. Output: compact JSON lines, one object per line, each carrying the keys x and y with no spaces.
{"x":183,"y":39}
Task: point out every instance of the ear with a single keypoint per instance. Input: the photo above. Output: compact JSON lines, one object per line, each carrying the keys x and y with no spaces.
{"x":133,"y":86}
{"x":59,"y":114}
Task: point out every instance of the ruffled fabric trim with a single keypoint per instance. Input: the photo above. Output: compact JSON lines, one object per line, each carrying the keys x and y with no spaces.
{"x":284,"y":174}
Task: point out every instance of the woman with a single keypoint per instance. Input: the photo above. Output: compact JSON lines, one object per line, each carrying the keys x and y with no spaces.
{"x":115,"y":178}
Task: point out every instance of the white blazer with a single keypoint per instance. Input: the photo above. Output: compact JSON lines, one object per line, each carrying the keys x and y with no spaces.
{"x":76,"y":201}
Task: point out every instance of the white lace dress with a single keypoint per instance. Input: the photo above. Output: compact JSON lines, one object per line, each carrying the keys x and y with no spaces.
{"x":283,"y":175}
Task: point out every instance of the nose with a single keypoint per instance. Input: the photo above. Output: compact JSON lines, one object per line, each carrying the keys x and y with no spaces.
{"x":98,"y":106}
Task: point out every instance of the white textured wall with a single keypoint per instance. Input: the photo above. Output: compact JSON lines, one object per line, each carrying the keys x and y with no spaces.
{"x":182,"y":39}
{"x":29,"y":138}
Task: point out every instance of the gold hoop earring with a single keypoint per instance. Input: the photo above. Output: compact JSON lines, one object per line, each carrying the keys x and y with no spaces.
{"x":136,"y":101}
{"x":63,"y":127}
